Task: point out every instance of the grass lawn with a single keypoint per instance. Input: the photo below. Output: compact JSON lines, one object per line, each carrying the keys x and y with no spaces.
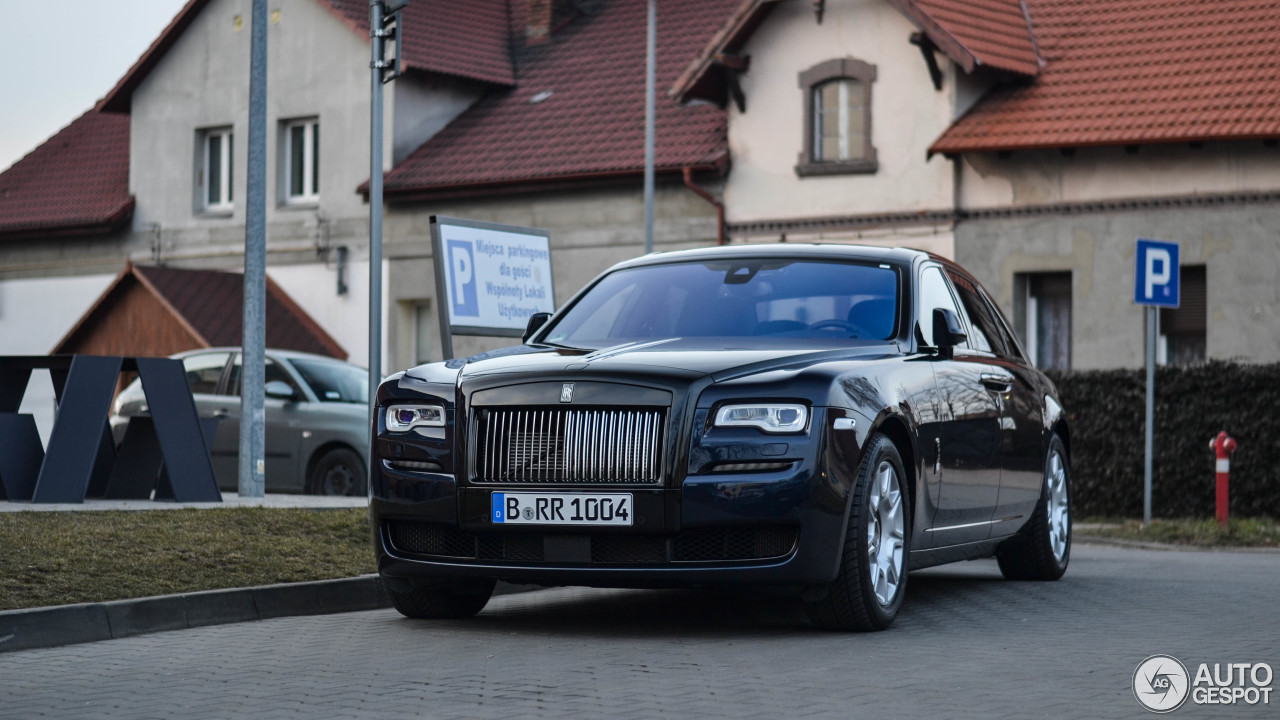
{"x":1241,"y":532}
{"x":49,"y":558}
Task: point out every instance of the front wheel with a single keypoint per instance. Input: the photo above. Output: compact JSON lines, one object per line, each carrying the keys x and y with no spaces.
{"x":1041,"y":550}
{"x":868,"y":591}
{"x":439,"y":603}
{"x":337,"y":472}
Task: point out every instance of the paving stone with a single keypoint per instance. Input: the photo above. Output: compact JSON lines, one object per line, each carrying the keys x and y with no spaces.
{"x":968,"y":644}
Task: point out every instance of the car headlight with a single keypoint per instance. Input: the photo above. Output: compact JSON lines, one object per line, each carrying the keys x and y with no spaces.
{"x":402,"y":418}
{"x":773,"y":418}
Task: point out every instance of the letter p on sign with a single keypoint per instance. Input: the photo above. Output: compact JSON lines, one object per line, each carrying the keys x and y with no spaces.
{"x":1155,"y":280}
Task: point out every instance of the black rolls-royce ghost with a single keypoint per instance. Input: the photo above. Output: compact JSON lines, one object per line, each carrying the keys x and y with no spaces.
{"x":817,"y":418}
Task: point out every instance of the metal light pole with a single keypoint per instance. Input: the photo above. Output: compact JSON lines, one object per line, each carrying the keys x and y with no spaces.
{"x":381,"y":14}
{"x":650,"y":80}
{"x":252,"y":480}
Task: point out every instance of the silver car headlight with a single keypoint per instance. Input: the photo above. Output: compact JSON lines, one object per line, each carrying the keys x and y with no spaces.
{"x":403,"y":418}
{"x":769,"y":417}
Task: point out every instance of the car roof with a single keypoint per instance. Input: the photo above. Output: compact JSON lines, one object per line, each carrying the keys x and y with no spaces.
{"x":833,"y":251}
{"x":286,"y":354}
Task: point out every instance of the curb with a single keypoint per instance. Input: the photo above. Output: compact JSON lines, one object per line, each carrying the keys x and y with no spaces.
{"x":91,"y":622}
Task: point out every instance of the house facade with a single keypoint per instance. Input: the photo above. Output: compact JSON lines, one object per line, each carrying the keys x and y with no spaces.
{"x":1033,"y":142}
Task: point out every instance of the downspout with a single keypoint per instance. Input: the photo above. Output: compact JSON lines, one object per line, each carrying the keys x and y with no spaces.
{"x":702,"y":193}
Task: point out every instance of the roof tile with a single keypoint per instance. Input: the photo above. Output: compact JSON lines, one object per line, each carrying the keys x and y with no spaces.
{"x":1136,"y":71}
{"x":579,"y":108}
{"x":76,"y":181}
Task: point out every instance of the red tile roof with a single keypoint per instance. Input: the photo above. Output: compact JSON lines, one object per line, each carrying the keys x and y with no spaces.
{"x":211,"y":303}
{"x":995,"y":33}
{"x":1136,"y":71}
{"x":467,"y":39}
{"x":579,"y":109}
{"x":77,"y":182}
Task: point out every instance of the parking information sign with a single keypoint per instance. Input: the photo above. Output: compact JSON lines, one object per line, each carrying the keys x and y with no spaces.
{"x":489,"y":278}
{"x":1155,"y":285}
{"x":1156,"y":273}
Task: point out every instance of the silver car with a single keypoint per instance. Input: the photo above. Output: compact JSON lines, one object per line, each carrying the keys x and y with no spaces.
{"x":316,"y":418}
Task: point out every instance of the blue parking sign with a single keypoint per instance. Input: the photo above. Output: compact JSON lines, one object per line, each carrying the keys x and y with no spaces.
{"x":1155,"y":273}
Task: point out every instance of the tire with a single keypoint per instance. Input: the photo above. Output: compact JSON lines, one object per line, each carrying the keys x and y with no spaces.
{"x":338,"y":472}
{"x":867,"y":595}
{"x":437,"y":603}
{"x":1042,"y":549}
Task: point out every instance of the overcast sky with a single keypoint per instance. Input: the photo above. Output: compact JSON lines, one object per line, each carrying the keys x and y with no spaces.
{"x":58,"y":58}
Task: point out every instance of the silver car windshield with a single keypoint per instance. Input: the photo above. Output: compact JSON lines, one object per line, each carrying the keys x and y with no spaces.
{"x":334,"y":381}
{"x":738,"y":299}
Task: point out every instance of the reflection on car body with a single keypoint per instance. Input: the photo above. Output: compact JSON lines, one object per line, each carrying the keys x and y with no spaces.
{"x":821,"y":419}
{"x":316,"y":418}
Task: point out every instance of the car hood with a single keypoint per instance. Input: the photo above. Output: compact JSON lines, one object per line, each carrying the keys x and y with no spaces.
{"x":671,"y":357}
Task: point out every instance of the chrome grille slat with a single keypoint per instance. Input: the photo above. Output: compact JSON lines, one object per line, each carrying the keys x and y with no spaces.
{"x":568,"y":446}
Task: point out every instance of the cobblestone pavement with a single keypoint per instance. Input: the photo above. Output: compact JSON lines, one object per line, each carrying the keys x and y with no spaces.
{"x":968,"y":644}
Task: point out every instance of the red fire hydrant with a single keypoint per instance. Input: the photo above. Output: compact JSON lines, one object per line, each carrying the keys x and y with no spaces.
{"x":1223,"y":446}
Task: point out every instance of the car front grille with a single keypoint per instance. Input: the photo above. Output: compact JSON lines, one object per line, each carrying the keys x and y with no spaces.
{"x":574,"y":446}
{"x":702,"y":545}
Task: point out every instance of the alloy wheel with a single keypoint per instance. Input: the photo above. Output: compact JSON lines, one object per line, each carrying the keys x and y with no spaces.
{"x":885,"y":534}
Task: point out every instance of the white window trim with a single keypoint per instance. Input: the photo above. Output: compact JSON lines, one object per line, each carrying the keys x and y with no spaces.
{"x":309,"y":194}
{"x":226,"y":201}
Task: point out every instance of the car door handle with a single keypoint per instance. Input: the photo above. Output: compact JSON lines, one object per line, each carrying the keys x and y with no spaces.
{"x":221,"y":414}
{"x":997,"y":383}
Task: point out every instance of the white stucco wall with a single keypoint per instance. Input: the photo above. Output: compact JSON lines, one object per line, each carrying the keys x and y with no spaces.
{"x":34,"y":316}
{"x":907,"y":115}
{"x":344,"y":317}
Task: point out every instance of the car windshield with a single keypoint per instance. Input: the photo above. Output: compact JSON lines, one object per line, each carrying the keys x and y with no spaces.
{"x":335,"y":381}
{"x":740,"y":298}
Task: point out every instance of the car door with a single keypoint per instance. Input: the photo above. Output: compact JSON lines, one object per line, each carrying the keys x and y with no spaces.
{"x":281,"y":422}
{"x":965,"y":436}
{"x":1023,"y":436}
{"x":205,"y":374}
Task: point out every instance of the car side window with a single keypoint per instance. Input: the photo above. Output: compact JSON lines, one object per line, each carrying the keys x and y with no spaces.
{"x":984,"y":328}
{"x":273,"y":371}
{"x":204,"y":371}
{"x":1002,"y":328}
{"x":933,"y":294}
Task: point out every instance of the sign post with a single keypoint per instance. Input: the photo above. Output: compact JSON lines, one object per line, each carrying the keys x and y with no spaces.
{"x":489,"y":278}
{"x":1155,"y":285}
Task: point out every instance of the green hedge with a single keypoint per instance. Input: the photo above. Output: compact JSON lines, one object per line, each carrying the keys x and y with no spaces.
{"x":1106,"y":412}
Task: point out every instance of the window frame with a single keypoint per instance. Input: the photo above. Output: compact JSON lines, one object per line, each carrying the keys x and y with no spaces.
{"x":226,"y":170}
{"x":810,"y":80}
{"x":310,"y":191}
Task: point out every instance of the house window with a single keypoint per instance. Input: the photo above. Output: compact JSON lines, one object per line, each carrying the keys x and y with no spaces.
{"x":302,"y":161}
{"x":1182,"y":330}
{"x":837,"y":135}
{"x":216,"y":169}
{"x":1046,"y":318}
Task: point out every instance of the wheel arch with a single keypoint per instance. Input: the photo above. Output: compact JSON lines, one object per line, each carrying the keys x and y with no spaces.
{"x":899,"y":433}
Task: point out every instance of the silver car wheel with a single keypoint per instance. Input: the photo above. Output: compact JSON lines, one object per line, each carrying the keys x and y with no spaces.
{"x":1058,"y":511}
{"x":885,"y":534}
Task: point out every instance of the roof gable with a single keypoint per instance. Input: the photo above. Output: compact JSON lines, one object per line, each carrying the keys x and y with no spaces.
{"x":210,"y":305}
{"x":468,"y":40}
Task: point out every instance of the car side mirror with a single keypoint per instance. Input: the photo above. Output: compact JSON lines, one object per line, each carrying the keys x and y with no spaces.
{"x":947,"y":332}
{"x":536,"y":321}
{"x":279,"y":390}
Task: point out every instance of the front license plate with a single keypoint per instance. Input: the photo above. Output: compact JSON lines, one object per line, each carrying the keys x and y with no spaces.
{"x":561,"y":508}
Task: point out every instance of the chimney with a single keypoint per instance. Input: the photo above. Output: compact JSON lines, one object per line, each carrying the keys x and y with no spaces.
{"x":538,"y":31}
